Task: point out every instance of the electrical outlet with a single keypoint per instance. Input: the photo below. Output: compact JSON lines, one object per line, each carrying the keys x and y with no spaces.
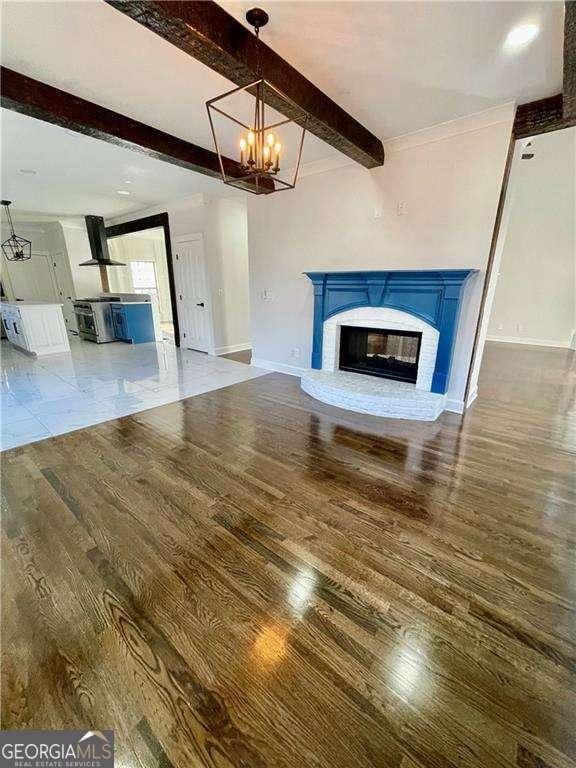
{"x":295,"y":352}
{"x":267,"y":295}
{"x":378,"y":212}
{"x":500,"y":326}
{"x":519,"y":327}
{"x":402,"y":208}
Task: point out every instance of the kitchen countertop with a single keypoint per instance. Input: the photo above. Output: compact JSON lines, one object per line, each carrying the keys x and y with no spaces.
{"x":29,"y":304}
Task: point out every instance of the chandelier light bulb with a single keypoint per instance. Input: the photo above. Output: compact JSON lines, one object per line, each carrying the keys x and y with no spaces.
{"x":251,"y":138}
{"x":277,"y":149}
{"x":270,"y":139}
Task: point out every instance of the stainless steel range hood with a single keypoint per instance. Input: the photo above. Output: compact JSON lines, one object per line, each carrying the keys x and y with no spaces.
{"x":98,"y":244}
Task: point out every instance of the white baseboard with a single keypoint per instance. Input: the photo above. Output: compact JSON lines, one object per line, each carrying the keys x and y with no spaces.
{"x":454,"y":406}
{"x":270,"y":365}
{"x":231,"y":348}
{"x":531,"y":342}
{"x":472,"y":396}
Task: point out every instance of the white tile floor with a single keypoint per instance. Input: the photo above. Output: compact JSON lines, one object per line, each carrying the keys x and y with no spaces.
{"x":47,"y":396}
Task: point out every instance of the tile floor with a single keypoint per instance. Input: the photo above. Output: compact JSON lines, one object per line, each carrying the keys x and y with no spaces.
{"x":46,"y":396}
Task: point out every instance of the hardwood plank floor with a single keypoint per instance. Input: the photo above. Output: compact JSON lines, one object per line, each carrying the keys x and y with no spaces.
{"x":252,"y":578}
{"x":244,"y":356}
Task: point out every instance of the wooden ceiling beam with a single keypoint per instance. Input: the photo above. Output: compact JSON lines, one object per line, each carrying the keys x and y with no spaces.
{"x":209,"y":34}
{"x":31,"y":97}
{"x":541,"y":116}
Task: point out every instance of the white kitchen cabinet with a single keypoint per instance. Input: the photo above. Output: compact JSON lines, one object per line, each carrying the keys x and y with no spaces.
{"x":35,"y":327}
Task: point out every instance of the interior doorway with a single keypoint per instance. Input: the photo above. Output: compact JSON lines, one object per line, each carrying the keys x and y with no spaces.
{"x":529,"y":319}
{"x":194,"y":307}
{"x":146,"y":272}
{"x":143,"y":245}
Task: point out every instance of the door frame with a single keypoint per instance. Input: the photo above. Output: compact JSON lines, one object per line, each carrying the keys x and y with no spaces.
{"x":153,"y":222}
{"x":199,"y":236}
{"x":532,"y":119}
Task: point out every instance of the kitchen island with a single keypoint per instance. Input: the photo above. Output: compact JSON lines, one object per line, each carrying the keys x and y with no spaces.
{"x":35,"y":327}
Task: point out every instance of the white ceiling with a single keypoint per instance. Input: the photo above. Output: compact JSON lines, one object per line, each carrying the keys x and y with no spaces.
{"x":396,"y":66}
{"x":78,"y":175}
{"x":399,"y":67}
{"x":92,"y":50}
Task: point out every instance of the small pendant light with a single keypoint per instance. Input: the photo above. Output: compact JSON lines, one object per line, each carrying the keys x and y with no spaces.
{"x":15,"y":248}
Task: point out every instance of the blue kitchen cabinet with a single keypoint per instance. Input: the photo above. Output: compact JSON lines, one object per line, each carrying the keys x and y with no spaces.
{"x":133,"y":322}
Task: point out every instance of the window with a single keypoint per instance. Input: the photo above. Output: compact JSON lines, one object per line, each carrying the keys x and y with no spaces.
{"x":143,"y":274}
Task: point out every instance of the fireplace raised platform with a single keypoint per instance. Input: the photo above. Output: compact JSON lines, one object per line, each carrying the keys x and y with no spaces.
{"x":369,"y":394}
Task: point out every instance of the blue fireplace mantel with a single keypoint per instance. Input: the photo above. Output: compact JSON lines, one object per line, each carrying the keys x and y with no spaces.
{"x":433,"y":296}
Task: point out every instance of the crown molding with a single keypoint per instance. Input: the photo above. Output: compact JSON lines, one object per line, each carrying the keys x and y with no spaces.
{"x":196,"y":200}
{"x":326,"y":164}
{"x":439,"y":132}
{"x":72,"y":224}
{"x":467,"y":124}
{"x":31,"y":217}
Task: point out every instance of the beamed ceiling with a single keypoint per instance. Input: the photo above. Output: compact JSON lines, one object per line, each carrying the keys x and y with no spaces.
{"x":394,"y":67}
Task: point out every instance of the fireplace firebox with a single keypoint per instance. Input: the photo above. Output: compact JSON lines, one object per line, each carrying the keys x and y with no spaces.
{"x":379,"y":352}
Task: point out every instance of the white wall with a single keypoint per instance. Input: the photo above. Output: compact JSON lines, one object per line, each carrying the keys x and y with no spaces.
{"x":535,"y":299}
{"x":228,"y":253}
{"x":41,"y":234}
{"x":74,"y":239}
{"x":223,"y":224}
{"x":449,"y":177}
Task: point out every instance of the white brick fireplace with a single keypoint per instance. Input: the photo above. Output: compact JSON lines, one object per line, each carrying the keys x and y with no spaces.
{"x":384,"y":318}
{"x":400,"y":372}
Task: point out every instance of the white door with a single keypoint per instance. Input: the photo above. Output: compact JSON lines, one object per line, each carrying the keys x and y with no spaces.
{"x":192,"y":297}
{"x":33,"y":280}
{"x":65,"y":290}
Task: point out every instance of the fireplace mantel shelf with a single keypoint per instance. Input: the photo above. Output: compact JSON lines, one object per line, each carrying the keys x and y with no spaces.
{"x":431,"y":295}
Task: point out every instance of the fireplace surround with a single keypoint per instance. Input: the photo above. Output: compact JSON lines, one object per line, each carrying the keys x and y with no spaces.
{"x":431,"y":297}
{"x":359,"y":320}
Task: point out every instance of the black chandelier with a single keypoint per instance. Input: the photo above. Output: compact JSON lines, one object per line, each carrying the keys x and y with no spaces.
{"x":269,"y":147}
{"x":15,"y":248}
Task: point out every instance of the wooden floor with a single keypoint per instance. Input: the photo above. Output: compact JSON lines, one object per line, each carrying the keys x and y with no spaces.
{"x":244,"y":356}
{"x":250,"y":578}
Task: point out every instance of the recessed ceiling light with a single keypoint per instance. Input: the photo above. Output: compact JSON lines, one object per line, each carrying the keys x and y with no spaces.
{"x":122,"y":192}
{"x":127,"y":181}
{"x":520,"y":35}
{"x":28,"y":171}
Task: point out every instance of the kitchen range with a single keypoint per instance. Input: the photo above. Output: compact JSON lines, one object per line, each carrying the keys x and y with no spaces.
{"x":94,"y":320}
{"x":116,"y":317}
